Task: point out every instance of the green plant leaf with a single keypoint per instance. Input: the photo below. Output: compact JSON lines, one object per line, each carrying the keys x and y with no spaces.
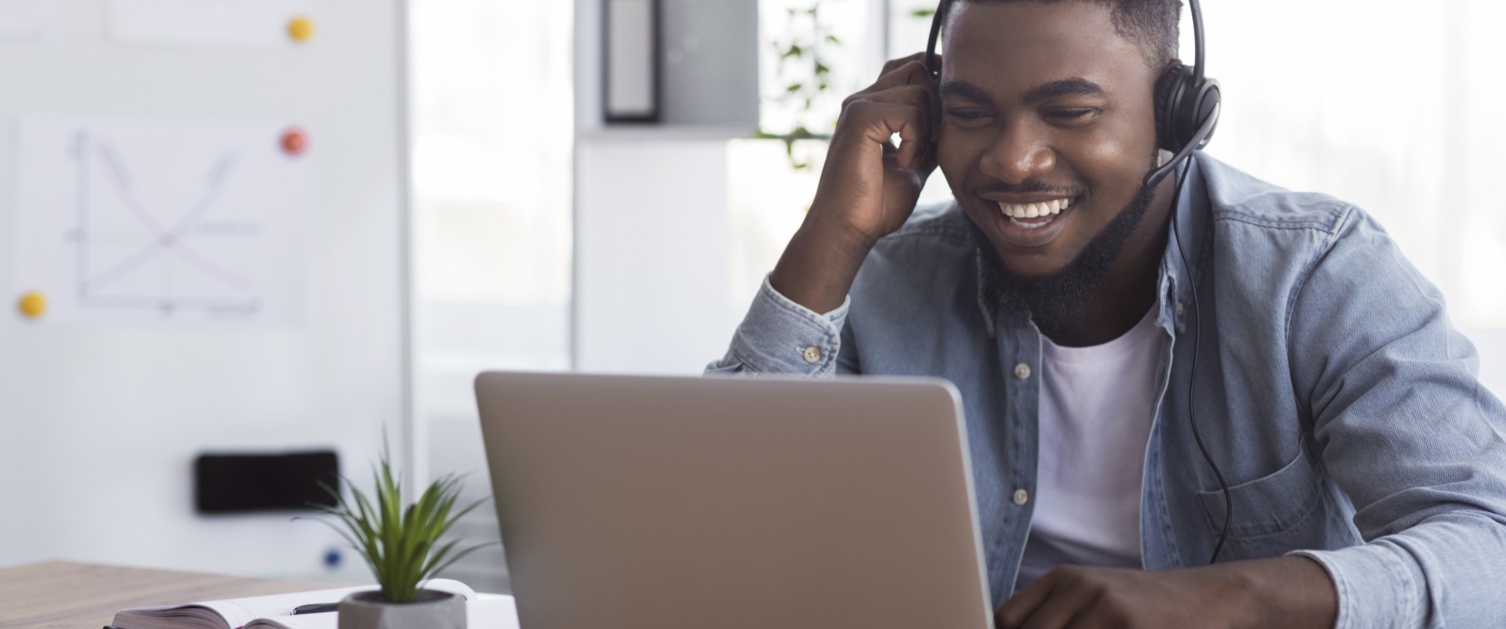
{"x":399,"y":541}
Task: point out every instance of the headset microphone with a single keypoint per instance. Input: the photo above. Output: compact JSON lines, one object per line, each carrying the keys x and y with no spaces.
{"x":1199,"y":140}
{"x":1188,"y":104}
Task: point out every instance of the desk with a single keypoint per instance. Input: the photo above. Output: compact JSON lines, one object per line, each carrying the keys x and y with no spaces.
{"x":60,"y":595}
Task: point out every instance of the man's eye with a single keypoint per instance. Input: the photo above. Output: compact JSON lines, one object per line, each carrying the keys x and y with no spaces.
{"x":966,"y":115}
{"x":1072,"y":114}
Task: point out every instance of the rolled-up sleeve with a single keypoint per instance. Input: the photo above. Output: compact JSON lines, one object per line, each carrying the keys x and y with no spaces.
{"x":1409,"y":433}
{"x":781,"y":337}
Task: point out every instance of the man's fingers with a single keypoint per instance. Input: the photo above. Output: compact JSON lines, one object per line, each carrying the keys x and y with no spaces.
{"x":1065,"y":605}
{"x":908,"y":155}
{"x":904,"y":81}
{"x":913,"y":95}
{"x":914,"y":101}
{"x":911,"y":72}
{"x":1013,"y":613}
{"x":884,"y":120}
{"x":893,"y":64}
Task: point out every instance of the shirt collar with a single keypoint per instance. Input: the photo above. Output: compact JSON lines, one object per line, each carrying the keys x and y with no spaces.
{"x":1191,"y":222}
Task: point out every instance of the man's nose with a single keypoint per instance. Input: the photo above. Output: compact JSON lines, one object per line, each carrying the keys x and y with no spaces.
{"x":1017,"y":155}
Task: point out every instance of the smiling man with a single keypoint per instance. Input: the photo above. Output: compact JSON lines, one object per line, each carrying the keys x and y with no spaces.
{"x":1332,"y":404}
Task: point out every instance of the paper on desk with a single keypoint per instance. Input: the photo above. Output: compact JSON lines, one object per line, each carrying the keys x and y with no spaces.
{"x":240,"y":611}
{"x":485,"y":612}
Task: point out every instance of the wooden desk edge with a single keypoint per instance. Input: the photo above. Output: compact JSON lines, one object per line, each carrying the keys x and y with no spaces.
{"x":63,"y":594}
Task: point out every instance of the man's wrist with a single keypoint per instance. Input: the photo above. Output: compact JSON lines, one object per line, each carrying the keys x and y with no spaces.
{"x":1290,"y":591}
{"x":818,"y":267}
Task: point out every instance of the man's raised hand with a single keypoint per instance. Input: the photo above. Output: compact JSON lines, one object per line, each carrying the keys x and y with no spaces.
{"x":868,"y":185}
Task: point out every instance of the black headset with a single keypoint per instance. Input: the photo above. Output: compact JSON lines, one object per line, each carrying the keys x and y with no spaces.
{"x":1187,"y":110}
{"x":1187,"y":101}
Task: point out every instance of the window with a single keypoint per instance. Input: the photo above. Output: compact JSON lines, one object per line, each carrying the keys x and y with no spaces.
{"x":492,"y":126}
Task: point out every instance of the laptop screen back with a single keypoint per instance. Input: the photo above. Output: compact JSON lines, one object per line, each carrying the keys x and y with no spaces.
{"x":668,"y":503}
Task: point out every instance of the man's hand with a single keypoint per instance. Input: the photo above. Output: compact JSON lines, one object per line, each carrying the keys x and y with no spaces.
{"x":1285,"y":592}
{"x":868,"y":186}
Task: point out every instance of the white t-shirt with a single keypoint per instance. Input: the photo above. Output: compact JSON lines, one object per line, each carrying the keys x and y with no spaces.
{"x":1095,"y":415}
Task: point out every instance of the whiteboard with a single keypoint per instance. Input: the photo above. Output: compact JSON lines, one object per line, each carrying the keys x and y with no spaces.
{"x":160,"y":223}
{"x":100,"y":420}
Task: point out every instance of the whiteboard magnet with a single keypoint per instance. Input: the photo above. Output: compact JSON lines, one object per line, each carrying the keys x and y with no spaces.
{"x":294,"y":142}
{"x":301,"y":29}
{"x":33,"y":305}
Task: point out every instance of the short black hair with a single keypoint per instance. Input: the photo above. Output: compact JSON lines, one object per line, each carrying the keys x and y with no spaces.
{"x":1152,"y":25}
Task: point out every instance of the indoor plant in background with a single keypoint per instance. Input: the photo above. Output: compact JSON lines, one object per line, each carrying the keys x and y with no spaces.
{"x":400,"y":543}
{"x":803,"y":50}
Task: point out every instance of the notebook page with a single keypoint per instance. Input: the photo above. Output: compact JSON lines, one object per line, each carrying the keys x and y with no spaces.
{"x":239,"y":611}
{"x":484,"y":612}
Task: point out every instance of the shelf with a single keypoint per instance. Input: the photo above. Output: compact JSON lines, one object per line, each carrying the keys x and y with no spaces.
{"x":664,"y":132}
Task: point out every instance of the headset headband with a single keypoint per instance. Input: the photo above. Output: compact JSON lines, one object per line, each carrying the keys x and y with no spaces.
{"x":940,"y":18}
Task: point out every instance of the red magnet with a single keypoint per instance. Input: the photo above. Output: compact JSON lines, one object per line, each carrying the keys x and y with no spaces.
{"x":294,"y":142}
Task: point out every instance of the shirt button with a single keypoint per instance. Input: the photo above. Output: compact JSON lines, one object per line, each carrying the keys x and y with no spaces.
{"x":1021,"y":497}
{"x":812,"y":354}
{"x":1022,"y":371}
{"x":1179,"y":309}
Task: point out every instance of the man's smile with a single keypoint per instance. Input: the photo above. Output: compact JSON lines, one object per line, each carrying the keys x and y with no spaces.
{"x":1034,"y":215}
{"x":1029,"y":221}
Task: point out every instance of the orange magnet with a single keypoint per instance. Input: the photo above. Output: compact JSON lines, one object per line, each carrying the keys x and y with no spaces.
{"x":294,"y":142}
{"x":33,"y":305}
{"x":301,"y":29}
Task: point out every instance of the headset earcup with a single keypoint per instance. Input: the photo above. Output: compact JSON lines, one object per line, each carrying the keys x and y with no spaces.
{"x":1171,"y":89}
{"x":1205,"y":104}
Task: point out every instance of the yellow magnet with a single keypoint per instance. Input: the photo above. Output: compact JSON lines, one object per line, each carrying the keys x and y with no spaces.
{"x":33,"y":305}
{"x":301,"y":29}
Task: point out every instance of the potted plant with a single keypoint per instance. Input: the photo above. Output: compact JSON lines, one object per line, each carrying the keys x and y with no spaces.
{"x":400,"y":543}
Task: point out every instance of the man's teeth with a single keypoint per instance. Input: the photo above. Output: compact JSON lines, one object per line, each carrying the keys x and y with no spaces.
{"x":1034,"y":210}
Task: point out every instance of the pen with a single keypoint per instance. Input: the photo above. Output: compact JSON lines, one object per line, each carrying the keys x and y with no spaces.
{"x":316,"y":608}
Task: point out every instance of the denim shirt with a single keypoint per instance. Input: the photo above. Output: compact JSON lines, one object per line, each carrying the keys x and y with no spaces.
{"x":1332,"y":392}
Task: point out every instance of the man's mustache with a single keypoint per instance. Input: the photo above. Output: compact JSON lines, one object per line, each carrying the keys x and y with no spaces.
{"x":1029,"y":186}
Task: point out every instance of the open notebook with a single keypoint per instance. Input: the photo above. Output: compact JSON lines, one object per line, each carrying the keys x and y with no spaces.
{"x":483,"y":611}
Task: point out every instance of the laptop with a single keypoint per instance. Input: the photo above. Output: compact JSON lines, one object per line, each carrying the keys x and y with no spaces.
{"x":731,"y":503}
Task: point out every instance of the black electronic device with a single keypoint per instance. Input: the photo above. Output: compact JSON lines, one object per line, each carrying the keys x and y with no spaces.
{"x":245,"y":483}
{"x":1187,"y":108}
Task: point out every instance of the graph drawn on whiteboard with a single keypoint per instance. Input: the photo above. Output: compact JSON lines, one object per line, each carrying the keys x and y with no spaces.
{"x":160,"y":221}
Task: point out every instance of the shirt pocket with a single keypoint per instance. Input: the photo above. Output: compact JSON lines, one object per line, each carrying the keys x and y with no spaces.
{"x":1273,"y":514}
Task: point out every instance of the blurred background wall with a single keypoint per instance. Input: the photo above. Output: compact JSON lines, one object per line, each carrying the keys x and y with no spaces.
{"x":509,"y":227}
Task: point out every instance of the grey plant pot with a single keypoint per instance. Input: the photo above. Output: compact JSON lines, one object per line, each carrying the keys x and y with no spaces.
{"x":432,"y":610}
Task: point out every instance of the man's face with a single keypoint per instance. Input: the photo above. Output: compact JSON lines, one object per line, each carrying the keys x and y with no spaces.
{"x":1046,"y":109}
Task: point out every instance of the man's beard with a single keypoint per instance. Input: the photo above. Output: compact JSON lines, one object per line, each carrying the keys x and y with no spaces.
{"x":1053,"y":300}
